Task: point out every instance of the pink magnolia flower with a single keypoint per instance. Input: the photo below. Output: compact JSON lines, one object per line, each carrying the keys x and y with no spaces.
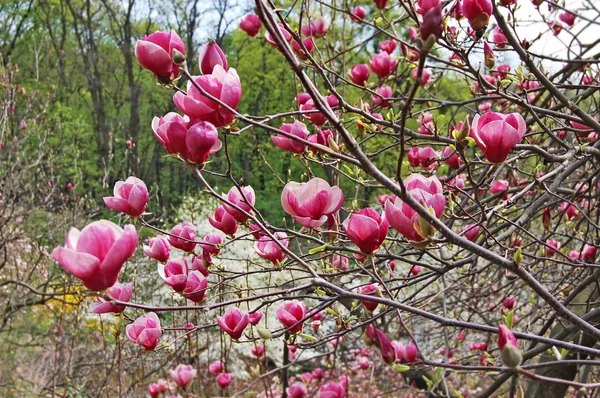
{"x":554,"y":246}
{"x":363,"y":363}
{"x":153,"y":390}
{"x":286,"y":35}
{"x":174,"y":273}
{"x":223,"y":221}
{"x":199,"y":263}
{"x":470,"y":231}
{"x":183,"y":236}
{"x":366,"y":229}
{"x":297,"y":129}
{"x":477,"y":12}
{"x":383,"y":92}
{"x":411,"y":354}
{"x":451,"y":158}
{"x":251,"y":24}
{"x":316,"y":28}
{"x":310,"y":203}
{"x":422,"y":156}
{"x":258,"y":351}
{"x":155,"y":53}
{"x":297,"y":390}
{"x":567,"y":17}
{"x":193,"y":141}
{"x":433,"y":23}
{"x":322,"y":137}
{"x":499,"y":39}
{"x":216,"y":367}
{"x":370,"y":289}
{"x":158,"y":248}
{"x":388,"y":46}
{"x":509,"y":303}
{"x":270,"y":250}
{"x":426,"y":76}
{"x":233,"y":322}
{"x":291,"y":315}
{"x":195,"y":286}
{"x":302,"y":53}
{"x":399,"y":350}
{"x":423,"y":6}
{"x":96,"y":254}
{"x":210,"y":56}
{"x":255,"y":317}
{"x":402,"y":217}
{"x":340,"y":263}
{"x":117,"y":292}
{"x":145,"y":331}
{"x":359,"y":74}
{"x":182,"y":375}
{"x":499,"y":186}
{"x":588,"y":254}
{"x":383,"y":64}
{"x":415,"y":270}
{"x":223,"y":380}
{"x":570,"y":210}
{"x":496,"y":134}
{"x":212,"y":243}
{"x":302,"y":98}
{"x":332,"y":390}
{"x":380,"y":4}
{"x":244,"y":199}
{"x":131,"y":197}
{"x":358,"y":14}
{"x":221,"y":84}
{"x":317,"y":118}
{"x":505,"y":336}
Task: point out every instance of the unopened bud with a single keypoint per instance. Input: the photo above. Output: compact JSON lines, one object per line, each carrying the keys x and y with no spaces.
{"x":518,"y":257}
{"x":511,"y":356}
{"x":178,"y":57}
{"x":488,"y":53}
{"x":264,"y":334}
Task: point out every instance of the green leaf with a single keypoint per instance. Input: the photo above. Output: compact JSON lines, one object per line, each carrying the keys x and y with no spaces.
{"x":318,"y":249}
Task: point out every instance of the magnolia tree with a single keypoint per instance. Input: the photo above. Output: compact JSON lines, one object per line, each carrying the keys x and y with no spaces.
{"x":443,"y":236}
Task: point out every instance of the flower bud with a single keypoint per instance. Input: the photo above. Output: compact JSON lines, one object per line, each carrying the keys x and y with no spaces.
{"x":488,"y":53}
{"x":211,"y":55}
{"x":511,"y":356}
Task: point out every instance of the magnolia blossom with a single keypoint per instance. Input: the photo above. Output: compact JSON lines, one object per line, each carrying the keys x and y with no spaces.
{"x":370,"y":289}
{"x":223,"y":380}
{"x":233,"y":322}
{"x":291,"y":315}
{"x":477,"y":12}
{"x":145,"y":331}
{"x":422,"y":156}
{"x":366,"y":229}
{"x":382,"y":93}
{"x":270,"y":250}
{"x":255,"y":317}
{"x":470,"y":231}
{"x":332,"y":390}
{"x":509,"y":348}
{"x":297,"y":129}
{"x":158,"y":248}
{"x":358,"y":14}
{"x":251,"y":24}
{"x":193,"y":141}
{"x":496,"y":134}
{"x":388,"y":46}
{"x":243,"y":198}
{"x":340,"y":263}
{"x":216,"y":367}
{"x":286,"y":35}
{"x":182,"y":375}
{"x":429,"y":193}
{"x":297,"y":390}
{"x":96,"y":254}
{"x":223,"y":221}
{"x":131,"y":197}
{"x":221,"y":84}
{"x":310,"y":203}
{"x":155,"y":53}
{"x":359,"y":74}
{"x":117,"y":292}
{"x":383,"y":64}
{"x":183,"y":236}
{"x":195,"y":286}
{"x":174,"y":273}
{"x":210,"y":56}
{"x":316,"y":28}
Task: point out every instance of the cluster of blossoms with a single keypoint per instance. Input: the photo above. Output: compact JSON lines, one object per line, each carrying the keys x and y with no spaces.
{"x":412,"y":217}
